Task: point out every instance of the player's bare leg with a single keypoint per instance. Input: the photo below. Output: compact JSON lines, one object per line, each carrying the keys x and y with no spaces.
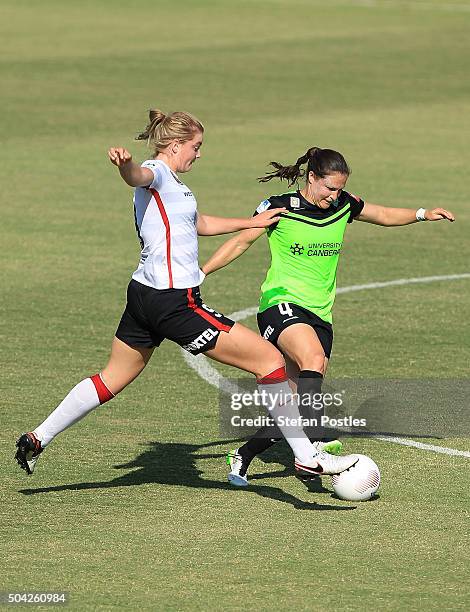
{"x":124,"y":365}
{"x":301,"y":344}
{"x":246,"y":350}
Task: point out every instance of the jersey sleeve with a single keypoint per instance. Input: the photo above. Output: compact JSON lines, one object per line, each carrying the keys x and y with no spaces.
{"x":152,"y":165}
{"x":263,"y":206}
{"x":357,"y":204}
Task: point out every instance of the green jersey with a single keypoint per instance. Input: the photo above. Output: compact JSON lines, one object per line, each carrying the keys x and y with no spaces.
{"x":305,"y":247}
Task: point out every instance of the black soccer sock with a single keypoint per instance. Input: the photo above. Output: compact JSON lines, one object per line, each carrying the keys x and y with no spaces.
{"x":309,"y":390}
{"x":263,"y":439}
{"x":311,"y":402}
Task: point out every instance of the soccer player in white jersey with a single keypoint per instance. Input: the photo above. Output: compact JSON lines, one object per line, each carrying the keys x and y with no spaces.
{"x":163,"y":298}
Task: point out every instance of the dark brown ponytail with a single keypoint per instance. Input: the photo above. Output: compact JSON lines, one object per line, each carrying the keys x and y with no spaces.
{"x":319,"y":161}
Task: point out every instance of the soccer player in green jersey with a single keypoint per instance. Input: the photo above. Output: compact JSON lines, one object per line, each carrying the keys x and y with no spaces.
{"x":298,"y":293}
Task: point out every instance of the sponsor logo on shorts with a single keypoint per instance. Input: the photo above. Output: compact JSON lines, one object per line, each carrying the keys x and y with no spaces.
{"x":268,"y":331}
{"x":188,"y":194}
{"x":201,"y":340}
{"x":211,"y":310}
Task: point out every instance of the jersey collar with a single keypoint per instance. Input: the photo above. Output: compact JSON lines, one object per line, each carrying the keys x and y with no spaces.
{"x":313,"y":207}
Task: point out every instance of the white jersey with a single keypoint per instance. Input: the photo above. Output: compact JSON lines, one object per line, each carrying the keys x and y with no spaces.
{"x":165,"y":221}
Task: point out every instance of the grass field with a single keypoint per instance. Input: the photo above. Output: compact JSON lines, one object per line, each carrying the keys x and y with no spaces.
{"x":131,"y":509}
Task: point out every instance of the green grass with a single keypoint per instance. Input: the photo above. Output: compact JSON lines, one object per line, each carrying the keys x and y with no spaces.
{"x":131,"y":508}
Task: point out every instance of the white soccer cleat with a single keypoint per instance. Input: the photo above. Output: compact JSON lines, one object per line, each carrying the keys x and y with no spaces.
{"x":333,"y":447}
{"x":324,"y":463}
{"x":238,"y":469}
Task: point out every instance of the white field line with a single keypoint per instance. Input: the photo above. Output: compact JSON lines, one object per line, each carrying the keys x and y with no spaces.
{"x":450,"y":7}
{"x":427,"y":447}
{"x":202,"y":366}
{"x":431,"y":6}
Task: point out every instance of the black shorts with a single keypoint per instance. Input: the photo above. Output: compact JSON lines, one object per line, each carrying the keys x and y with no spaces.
{"x":274,"y":320}
{"x":151,"y":315}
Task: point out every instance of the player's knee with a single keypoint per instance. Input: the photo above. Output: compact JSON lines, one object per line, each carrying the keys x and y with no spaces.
{"x":315,"y":362}
{"x":272,"y":362}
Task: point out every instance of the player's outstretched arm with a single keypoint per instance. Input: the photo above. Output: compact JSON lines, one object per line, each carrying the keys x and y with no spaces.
{"x":213,"y":226}
{"x":392,"y":217}
{"x":133,"y":174}
{"x":231,"y":249}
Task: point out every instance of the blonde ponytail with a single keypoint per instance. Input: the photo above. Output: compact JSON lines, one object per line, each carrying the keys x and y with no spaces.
{"x":156,"y":116}
{"x":163,"y":129}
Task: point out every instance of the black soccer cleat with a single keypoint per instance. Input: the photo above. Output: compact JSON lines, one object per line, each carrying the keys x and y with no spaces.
{"x":238,"y":476}
{"x":28,"y":451}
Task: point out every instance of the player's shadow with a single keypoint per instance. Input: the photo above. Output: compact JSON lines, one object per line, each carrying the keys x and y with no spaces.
{"x":280,"y":453}
{"x":175,"y":464}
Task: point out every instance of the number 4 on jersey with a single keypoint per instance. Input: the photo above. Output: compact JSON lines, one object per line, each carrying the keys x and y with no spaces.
{"x":285,"y":309}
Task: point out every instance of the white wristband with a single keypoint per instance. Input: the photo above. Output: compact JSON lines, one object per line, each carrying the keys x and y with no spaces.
{"x":420,"y":214}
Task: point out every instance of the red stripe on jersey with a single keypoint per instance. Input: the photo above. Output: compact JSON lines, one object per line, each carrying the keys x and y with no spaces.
{"x":205,"y":315}
{"x":104,"y":394}
{"x":278,"y":376}
{"x":166,"y":223}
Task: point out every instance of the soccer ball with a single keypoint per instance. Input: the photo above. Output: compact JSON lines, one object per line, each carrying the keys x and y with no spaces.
{"x":360,"y":482}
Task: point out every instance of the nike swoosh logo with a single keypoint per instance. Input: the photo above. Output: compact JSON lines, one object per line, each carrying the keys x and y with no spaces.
{"x":317,"y":470}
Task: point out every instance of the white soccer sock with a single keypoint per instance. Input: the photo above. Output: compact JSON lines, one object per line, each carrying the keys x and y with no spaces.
{"x":280,"y":398}
{"x":82,"y":399}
